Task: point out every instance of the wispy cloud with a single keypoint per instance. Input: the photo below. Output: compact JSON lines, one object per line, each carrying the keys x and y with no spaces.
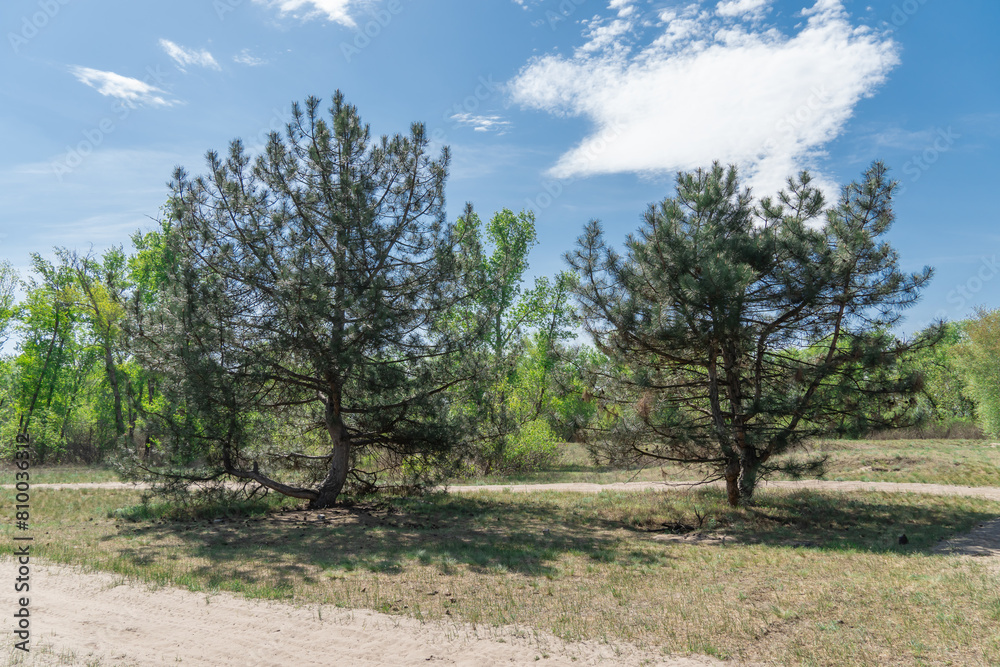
{"x":734,"y":8}
{"x":895,"y":137}
{"x":129,"y":91}
{"x":337,"y":11}
{"x":244,"y":57}
{"x":690,"y":86}
{"x":482,"y":123}
{"x":184,"y":57}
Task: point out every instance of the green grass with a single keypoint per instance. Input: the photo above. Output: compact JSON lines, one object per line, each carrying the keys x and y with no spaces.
{"x":574,"y":465}
{"x":61,"y":474}
{"x":964,"y":462}
{"x":961,"y":462}
{"x":801,"y":578}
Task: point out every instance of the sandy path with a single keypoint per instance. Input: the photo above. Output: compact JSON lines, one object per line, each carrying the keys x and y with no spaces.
{"x":97,"y":619}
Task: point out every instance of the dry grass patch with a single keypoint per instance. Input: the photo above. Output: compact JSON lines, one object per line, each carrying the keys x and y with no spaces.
{"x":61,"y":474}
{"x":802,"y":578}
{"x":960,"y":462}
{"x":964,"y":462}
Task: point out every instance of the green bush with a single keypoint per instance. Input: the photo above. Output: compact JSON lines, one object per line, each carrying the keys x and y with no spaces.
{"x":532,"y":447}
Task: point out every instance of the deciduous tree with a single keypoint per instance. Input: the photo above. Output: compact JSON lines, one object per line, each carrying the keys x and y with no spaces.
{"x":979,"y":360}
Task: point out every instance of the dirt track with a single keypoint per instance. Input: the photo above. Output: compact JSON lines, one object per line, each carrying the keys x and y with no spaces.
{"x":83,"y":618}
{"x":990,"y":492}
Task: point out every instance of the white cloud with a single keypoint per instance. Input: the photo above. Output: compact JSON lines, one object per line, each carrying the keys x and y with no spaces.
{"x":625,"y":8}
{"x":897,"y":138}
{"x":733,"y":8}
{"x":481,"y":123}
{"x":244,"y":57}
{"x":601,"y":36}
{"x":184,"y":57}
{"x":337,"y":11}
{"x":131,"y":92}
{"x":706,"y":88}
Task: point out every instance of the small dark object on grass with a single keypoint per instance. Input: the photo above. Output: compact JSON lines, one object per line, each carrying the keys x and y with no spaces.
{"x":903,"y":539}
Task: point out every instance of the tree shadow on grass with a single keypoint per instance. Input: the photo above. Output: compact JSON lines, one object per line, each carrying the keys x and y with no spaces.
{"x":528,"y":535}
{"x":485,"y":535}
{"x":865,"y":522}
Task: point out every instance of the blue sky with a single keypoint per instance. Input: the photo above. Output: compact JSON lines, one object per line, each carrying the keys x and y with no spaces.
{"x":577,"y":109}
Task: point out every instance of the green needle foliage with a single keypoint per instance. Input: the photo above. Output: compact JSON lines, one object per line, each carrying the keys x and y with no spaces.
{"x":737,"y":328}
{"x":305,"y":320}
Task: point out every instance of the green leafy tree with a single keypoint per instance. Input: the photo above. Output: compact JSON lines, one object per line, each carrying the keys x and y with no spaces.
{"x":149,"y":271}
{"x":50,"y":364}
{"x":8,"y":300}
{"x":504,"y":401}
{"x":944,"y":400}
{"x":979,"y":362}
{"x":100,"y":292}
{"x":742,"y":326}
{"x":309,"y":289}
{"x":568,"y":404}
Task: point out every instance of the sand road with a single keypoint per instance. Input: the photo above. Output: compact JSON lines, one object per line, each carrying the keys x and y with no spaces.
{"x":81,"y":618}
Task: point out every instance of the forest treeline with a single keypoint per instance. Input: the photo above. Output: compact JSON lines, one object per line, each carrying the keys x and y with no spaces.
{"x":307,"y":319}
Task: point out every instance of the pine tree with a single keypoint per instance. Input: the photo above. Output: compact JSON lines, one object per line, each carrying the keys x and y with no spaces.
{"x":741,"y":328}
{"x":308,"y":292}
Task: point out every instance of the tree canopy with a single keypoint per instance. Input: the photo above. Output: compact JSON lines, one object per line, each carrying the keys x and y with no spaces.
{"x":742,"y":327}
{"x":979,"y":357}
{"x":310,"y":288}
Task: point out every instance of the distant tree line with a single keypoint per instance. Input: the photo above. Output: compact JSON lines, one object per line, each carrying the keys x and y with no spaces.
{"x":308,"y":321}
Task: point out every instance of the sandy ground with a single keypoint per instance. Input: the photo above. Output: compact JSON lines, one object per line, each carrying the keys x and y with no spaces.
{"x":981,"y":541}
{"x":81,"y":618}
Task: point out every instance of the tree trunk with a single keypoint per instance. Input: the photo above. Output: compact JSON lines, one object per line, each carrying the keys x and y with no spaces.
{"x":339,"y":461}
{"x":749,"y":466}
{"x":112,"y":370}
{"x":732,"y":482}
{"x":25,"y":420}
